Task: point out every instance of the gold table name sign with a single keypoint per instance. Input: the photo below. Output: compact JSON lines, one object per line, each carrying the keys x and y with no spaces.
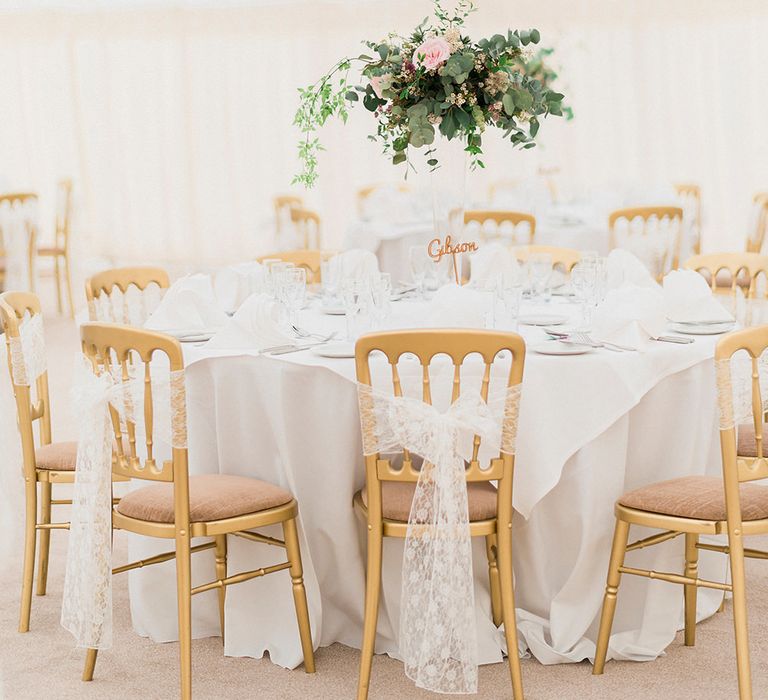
{"x":436,"y":251}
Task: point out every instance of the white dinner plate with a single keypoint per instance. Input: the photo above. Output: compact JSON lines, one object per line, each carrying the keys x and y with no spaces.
{"x":555,"y":347}
{"x":190,"y":336}
{"x":333,"y":310}
{"x":335,"y":350}
{"x":542,"y":319}
{"x":702,"y":329}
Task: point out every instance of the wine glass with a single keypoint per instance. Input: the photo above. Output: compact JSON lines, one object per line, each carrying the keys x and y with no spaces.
{"x":539,"y":273}
{"x":420,"y":262}
{"x":356,"y":297}
{"x":293,"y":291}
{"x":330,"y":273}
{"x":381,"y":296}
{"x":584,"y":289}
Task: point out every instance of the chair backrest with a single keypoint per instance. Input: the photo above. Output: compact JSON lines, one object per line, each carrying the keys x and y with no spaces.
{"x":283,"y":205}
{"x":102,"y":285}
{"x":12,"y":201}
{"x":426,"y":345}
{"x":32,"y":399}
{"x":137,"y":357}
{"x":690,"y":202}
{"x":653,"y":220}
{"x":501,"y":225}
{"x":561,"y":257}
{"x":500,"y":186}
{"x":759,"y":223}
{"x":308,"y":259}
{"x":307,"y":225}
{"x":63,"y":221}
{"x":749,"y":267}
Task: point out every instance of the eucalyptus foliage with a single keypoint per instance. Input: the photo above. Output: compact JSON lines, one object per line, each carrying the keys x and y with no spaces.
{"x":434,"y":81}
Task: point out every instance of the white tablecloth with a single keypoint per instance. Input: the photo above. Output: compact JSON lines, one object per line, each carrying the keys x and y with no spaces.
{"x":591,"y":427}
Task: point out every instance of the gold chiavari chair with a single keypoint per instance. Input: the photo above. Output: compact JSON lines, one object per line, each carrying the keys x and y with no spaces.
{"x":386,"y":501}
{"x":283,"y":204}
{"x":307,"y":224}
{"x":728,"y":271}
{"x":653,"y":220}
{"x":501,"y":186}
{"x":103,"y":284}
{"x":504,"y":225}
{"x":308,"y":259}
{"x":181,"y":507}
{"x":566,"y":258}
{"x":756,"y":237}
{"x":364,"y":192}
{"x":690,"y":198}
{"x":12,"y":200}
{"x":50,"y":463}
{"x":701,"y":505}
{"x":59,"y":251}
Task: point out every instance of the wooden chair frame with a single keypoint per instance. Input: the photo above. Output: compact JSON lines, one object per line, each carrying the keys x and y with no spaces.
{"x":308,"y":259}
{"x":567,"y":258}
{"x":756,"y":238}
{"x":122,"y":278}
{"x":751,"y":264}
{"x":60,"y":251}
{"x":516,"y":218}
{"x":736,"y":470}
{"x":22,"y":197}
{"x":646,"y":214}
{"x":692,"y":192}
{"x":110,"y":345}
{"x":283,"y":202}
{"x":305,"y":220}
{"x":426,"y":344}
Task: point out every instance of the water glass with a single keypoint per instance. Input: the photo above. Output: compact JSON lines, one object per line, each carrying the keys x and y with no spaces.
{"x":507,"y":307}
{"x":272,"y":279}
{"x":539,"y":274}
{"x":421,"y":266}
{"x":584,"y":290}
{"x":293,"y":291}
{"x":330,"y":276}
{"x":381,"y":297}
{"x":356,"y":297}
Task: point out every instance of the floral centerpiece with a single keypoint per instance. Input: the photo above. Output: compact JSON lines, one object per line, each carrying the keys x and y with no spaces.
{"x":434,"y":81}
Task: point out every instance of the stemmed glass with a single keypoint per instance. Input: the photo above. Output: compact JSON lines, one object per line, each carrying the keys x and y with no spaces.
{"x":293,"y":291}
{"x":330,"y":273}
{"x":422,"y":266}
{"x":539,"y":273}
{"x":381,"y":296}
{"x":583,"y":283}
{"x":356,"y":297}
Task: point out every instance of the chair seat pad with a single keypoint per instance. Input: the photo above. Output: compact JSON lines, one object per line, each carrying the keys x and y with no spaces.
{"x":697,"y":497}
{"x":397,"y":497}
{"x":746,"y":445}
{"x":211,"y":497}
{"x":51,"y":251}
{"x":58,"y":456}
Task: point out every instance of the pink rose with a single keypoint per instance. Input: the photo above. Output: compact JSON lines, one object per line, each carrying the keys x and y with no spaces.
{"x":376,"y":82}
{"x":432,"y":53}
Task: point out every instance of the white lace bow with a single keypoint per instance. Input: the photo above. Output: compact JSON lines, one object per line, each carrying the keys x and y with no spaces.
{"x":438,"y":636}
{"x":735,"y":388}
{"x":87,"y":604}
{"x":27,"y":351}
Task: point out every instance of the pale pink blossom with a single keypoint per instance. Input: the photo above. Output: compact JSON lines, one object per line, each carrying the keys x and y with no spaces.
{"x":376,"y":82}
{"x":432,"y":53}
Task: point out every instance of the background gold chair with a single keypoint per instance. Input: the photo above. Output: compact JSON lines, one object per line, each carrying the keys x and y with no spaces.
{"x":701,"y":505}
{"x":662,"y":223}
{"x":100,"y":288}
{"x":561,"y":257}
{"x":307,"y":225}
{"x":500,"y":226}
{"x":181,"y":507}
{"x":385,"y":502}
{"x":12,"y":201}
{"x":60,"y":251}
{"x":759,"y":223}
{"x":502,"y":186}
{"x":728,"y":271}
{"x":308,"y":259}
{"x":690,"y":202}
{"x":283,"y":204}
{"x":364,"y":192}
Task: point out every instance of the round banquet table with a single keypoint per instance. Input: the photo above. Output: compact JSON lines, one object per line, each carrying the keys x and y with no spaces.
{"x":591,"y":426}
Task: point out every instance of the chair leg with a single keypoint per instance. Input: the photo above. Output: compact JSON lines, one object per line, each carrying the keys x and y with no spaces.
{"x":620,"y":536}
{"x":45,"y":538}
{"x":691,"y":571}
{"x":184,"y":601}
{"x":68,"y":280}
{"x":507,"y":588}
{"x":493,"y":575}
{"x":30,"y":535}
{"x":57,"y":272}
{"x":299,"y":594}
{"x":372,"y":593}
{"x":221,"y":574}
{"x":90,"y":664}
{"x":736,"y":557}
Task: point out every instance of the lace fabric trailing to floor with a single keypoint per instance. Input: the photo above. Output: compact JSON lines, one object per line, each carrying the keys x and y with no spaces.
{"x":87,"y":603}
{"x":734,"y":388}
{"x":27,"y":351}
{"x":438,"y":636}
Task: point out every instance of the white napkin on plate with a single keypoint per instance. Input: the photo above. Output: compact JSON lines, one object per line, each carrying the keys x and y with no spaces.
{"x":626,"y":270}
{"x":688,"y":297}
{"x":453,"y":306}
{"x":357,"y":264}
{"x":234,"y":284}
{"x":630,"y":316}
{"x":189,"y":305}
{"x":254,"y":326}
{"x":491,"y":261}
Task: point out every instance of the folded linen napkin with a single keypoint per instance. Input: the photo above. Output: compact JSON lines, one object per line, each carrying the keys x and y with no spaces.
{"x":189,"y":304}
{"x":455,"y":306}
{"x":254,"y":326}
{"x":492,"y":261}
{"x":623,"y":269}
{"x":688,"y":297}
{"x":630,"y":316}
{"x":234,"y":284}
{"x":357,"y":264}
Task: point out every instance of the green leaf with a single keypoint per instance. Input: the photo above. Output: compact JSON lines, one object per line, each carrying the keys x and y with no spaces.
{"x":523,"y":99}
{"x":432,"y":162}
{"x":351,"y":95}
{"x":508,"y":101}
{"x":383,"y":51}
{"x":534,"y":127}
{"x":399,"y":157}
{"x":363,"y":57}
{"x":535,"y":36}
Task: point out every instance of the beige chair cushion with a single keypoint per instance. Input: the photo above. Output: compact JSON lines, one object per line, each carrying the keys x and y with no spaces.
{"x":397,"y":496}
{"x":58,"y":456}
{"x":211,"y":497}
{"x":698,"y":497}
{"x":746,"y":446}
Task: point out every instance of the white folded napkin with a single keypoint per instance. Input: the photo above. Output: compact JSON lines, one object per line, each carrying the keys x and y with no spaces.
{"x":254,"y":326}
{"x":189,"y":304}
{"x":357,"y":264}
{"x":491,"y":261}
{"x":688,"y":297}
{"x":234,"y":284}
{"x":453,"y":306}
{"x":630,"y":316}
{"x":623,"y":269}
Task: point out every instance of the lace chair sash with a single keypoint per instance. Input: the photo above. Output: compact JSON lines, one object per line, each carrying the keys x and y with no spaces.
{"x":131,"y":308}
{"x":87,"y":603}
{"x":27,"y":351}
{"x":438,"y":636}
{"x":735,"y":389}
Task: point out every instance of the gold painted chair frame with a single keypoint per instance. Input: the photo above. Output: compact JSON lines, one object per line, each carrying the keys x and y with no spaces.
{"x":425,"y":345}
{"x":307,"y":223}
{"x":480,"y":216}
{"x":122,"y":278}
{"x":752,"y":265}
{"x":688,"y":192}
{"x":308,"y":259}
{"x":283,"y":204}
{"x":756,"y":237}
{"x":116,"y":348}
{"x":736,"y":470}
{"x":646,"y":214}
{"x":21,"y":198}
{"x":566,"y":258}
{"x":60,"y":251}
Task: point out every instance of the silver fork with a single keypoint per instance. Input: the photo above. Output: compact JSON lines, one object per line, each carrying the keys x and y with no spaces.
{"x":587,"y":339}
{"x":301,"y":333}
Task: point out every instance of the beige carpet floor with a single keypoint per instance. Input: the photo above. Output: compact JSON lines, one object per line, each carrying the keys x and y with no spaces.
{"x":44,"y":663}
